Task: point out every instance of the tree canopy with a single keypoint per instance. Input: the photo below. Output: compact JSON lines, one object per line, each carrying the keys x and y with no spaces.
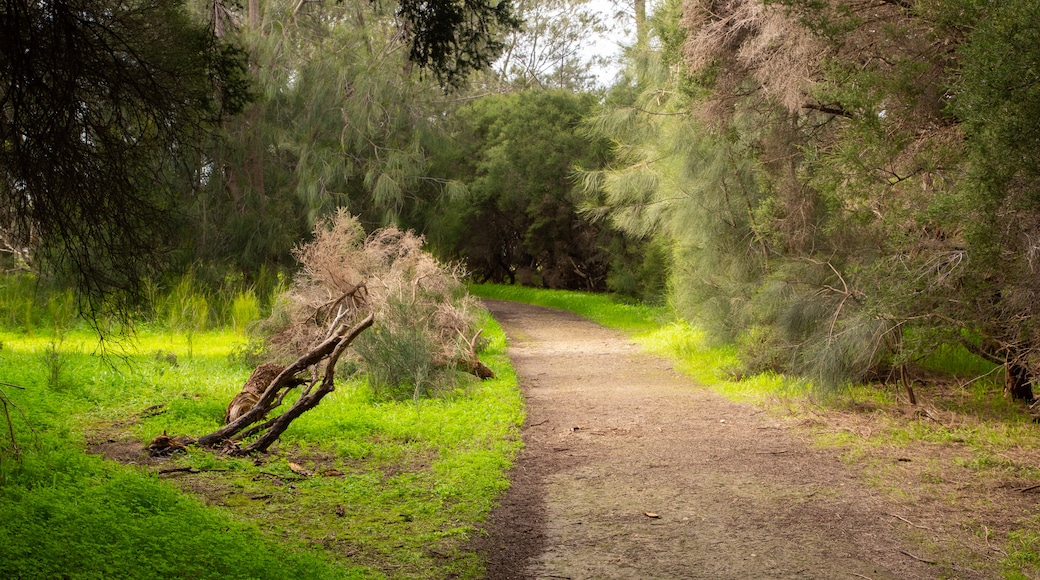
{"x":845,"y":186}
{"x":110,"y":119}
{"x":100,"y":101}
{"x":839,"y":187}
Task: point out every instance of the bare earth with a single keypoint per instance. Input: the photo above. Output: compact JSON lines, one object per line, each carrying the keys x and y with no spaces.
{"x":632,"y":471}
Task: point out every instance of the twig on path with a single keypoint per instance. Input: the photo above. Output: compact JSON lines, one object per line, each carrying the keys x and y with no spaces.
{"x":905,"y":553}
{"x":912,"y":523}
{"x":985,"y":530}
{"x":771,"y":452}
{"x":861,"y":576}
{"x":178,"y":470}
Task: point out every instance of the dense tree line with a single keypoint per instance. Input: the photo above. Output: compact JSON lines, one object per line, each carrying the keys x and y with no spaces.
{"x":147,"y":137}
{"x":845,"y":186}
{"x":839,"y":187}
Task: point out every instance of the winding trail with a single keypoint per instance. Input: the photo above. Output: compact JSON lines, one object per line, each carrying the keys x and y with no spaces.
{"x":632,"y":471}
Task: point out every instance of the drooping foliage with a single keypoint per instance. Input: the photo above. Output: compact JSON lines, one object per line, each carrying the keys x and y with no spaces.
{"x":342,"y":120}
{"x":844,"y":185}
{"x":101,"y":105}
{"x":113,"y":171}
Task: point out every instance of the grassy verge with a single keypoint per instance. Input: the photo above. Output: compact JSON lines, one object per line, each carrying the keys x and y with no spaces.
{"x":357,"y":488}
{"x":964,"y":452}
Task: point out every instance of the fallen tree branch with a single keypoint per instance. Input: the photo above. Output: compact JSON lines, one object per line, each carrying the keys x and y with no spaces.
{"x":280,"y":423}
{"x":319,"y":353}
{"x":905,"y":553}
{"x":911,"y":523}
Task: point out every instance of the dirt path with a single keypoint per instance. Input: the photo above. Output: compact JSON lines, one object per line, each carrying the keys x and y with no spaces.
{"x":632,"y":471}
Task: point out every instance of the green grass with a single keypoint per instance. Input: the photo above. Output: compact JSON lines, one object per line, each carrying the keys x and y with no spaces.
{"x":602,"y":308}
{"x":394,"y":489}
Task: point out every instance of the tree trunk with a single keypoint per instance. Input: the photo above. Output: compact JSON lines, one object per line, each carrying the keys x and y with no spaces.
{"x":1017,"y":382}
{"x":641,"y":28}
{"x":904,"y":377}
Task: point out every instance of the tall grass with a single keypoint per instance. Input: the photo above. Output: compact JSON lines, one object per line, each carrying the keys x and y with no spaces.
{"x":20,"y":302}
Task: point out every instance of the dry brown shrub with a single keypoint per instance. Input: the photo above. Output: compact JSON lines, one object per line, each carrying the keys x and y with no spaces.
{"x":746,"y":39}
{"x":423,"y":314}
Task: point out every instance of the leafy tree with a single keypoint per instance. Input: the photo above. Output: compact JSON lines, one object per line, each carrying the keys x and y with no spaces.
{"x":107,"y":111}
{"x":845,"y":185}
{"x":993,"y":218}
{"x":343,"y":120}
{"x":100,"y":103}
{"x":780,"y":148}
{"x":516,"y":154}
{"x":455,"y":38}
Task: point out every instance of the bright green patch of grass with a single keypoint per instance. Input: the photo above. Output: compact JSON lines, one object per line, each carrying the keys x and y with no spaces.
{"x":67,"y":515}
{"x":387,"y":490}
{"x":602,"y":308}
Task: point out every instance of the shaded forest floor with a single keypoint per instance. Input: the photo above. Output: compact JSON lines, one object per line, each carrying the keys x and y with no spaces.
{"x":631,"y":470}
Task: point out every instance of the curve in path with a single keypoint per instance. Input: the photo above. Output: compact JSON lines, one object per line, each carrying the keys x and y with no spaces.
{"x":632,"y":471}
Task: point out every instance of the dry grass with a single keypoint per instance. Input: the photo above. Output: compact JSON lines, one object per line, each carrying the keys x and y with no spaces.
{"x":964,"y":477}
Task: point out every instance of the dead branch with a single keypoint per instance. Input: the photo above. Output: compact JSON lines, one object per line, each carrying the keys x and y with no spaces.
{"x":356,"y":295}
{"x":905,"y":553}
{"x":5,"y":399}
{"x":836,"y":110}
{"x":911,"y":523}
{"x":178,"y":470}
{"x":470,"y":362}
{"x":254,"y":389}
{"x":281,"y":423}
{"x":319,"y":353}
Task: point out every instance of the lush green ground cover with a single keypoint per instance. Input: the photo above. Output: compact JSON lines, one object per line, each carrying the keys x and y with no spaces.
{"x":356,"y":488}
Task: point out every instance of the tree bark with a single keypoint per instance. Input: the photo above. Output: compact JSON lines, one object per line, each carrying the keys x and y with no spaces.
{"x":1018,"y":383}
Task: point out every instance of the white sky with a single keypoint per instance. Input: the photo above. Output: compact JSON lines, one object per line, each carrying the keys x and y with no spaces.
{"x":609,"y":44}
